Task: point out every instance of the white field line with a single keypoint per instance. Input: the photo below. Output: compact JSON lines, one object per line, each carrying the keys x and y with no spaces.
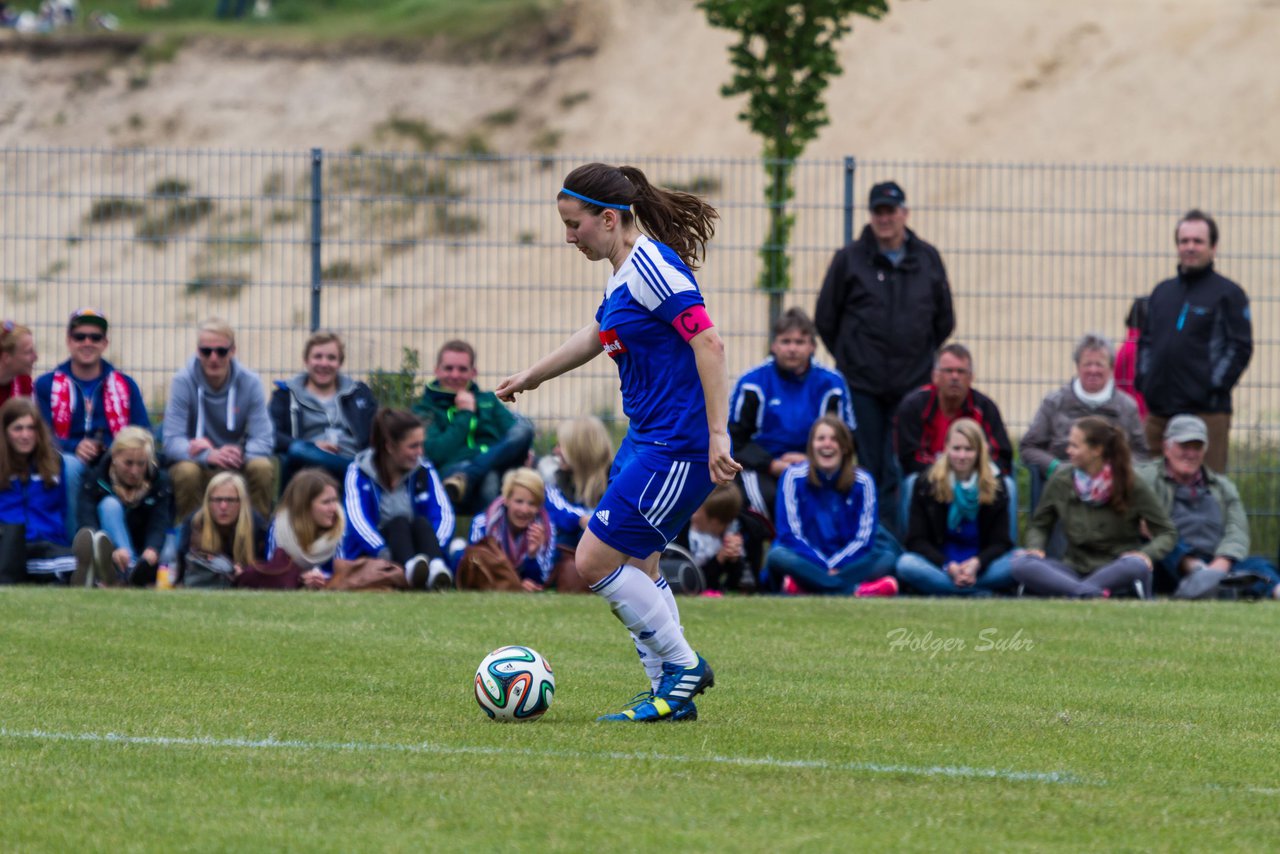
{"x":956,"y":771}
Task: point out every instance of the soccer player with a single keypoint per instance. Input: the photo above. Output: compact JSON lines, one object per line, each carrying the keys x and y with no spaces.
{"x":654,"y":325}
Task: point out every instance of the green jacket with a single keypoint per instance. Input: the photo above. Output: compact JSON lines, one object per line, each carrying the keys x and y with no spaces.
{"x":454,"y":435}
{"x":1098,"y":535}
{"x":1235,"y":524}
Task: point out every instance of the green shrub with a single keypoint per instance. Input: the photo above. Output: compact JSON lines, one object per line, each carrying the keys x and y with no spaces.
{"x":112,"y":208}
{"x":397,"y":389}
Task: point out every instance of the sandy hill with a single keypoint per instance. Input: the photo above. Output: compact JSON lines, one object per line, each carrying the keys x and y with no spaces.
{"x":1093,"y":80}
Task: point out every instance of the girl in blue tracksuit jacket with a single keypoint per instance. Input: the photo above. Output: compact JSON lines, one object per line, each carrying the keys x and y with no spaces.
{"x":828,"y":523}
{"x":33,"y":494}
{"x":396,"y":506}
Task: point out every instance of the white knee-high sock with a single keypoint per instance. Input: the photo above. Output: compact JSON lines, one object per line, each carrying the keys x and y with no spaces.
{"x":639,"y":606}
{"x":652,"y":666}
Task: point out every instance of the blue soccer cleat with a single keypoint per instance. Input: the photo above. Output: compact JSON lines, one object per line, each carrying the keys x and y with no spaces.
{"x":673,"y":701}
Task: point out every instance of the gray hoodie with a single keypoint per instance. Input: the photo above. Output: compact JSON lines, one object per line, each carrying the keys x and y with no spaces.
{"x":235,"y":414}
{"x":310,"y":420}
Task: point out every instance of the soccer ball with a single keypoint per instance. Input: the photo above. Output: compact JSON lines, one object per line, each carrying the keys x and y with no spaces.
{"x":514,"y":683}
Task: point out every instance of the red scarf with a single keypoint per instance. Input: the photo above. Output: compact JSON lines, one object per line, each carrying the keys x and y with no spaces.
{"x":19,"y":386}
{"x":115,"y":400}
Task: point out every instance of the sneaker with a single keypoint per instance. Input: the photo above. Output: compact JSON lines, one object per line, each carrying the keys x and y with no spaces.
{"x":687,"y":712}
{"x":417,"y":571}
{"x":790,"y":588}
{"x":82,"y":548}
{"x":438,"y":576}
{"x":887,"y":586}
{"x":103,"y":567}
{"x":675,"y":693}
{"x":712,"y":594}
{"x":456,"y":487}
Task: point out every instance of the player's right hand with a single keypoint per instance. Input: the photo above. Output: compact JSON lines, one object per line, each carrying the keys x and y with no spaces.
{"x":513,"y":385}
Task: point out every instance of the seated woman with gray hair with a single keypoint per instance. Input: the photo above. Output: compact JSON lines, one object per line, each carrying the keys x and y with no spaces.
{"x":1093,"y":392}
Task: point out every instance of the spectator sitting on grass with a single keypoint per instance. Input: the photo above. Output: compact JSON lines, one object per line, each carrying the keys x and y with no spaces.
{"x":223,"y":537}
{"x":1103,"y":508}
{"x":827,"y":522}
{"x":471,"y":437}
{"x":125,"y":511}
{"x":957,"y":539}
{"x":87,"y":401}
{"x":576,"y":474}
{"x":517,"y":530}
{"x":216,"y":420}
{"x":396,"y":507}
{"x":33,"y":500}
{"x":1092,"y":392}
{"x":1213,"y":531}
{"x":322,"y":417}
{"x":715,"y":539}
{"x":309,"y":526}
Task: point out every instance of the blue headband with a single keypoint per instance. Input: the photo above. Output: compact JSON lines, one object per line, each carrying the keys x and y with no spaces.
{"x":592,"y":201}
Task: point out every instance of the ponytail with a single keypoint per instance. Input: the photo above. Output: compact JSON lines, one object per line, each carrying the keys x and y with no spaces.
{"x":681,"y":220}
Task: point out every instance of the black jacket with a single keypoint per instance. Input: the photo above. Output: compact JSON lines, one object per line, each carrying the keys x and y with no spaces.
{"x":1195,"y":344}
{"x":927,"y":525}
{"x":148,"y":521}
{"x":882,"y":323}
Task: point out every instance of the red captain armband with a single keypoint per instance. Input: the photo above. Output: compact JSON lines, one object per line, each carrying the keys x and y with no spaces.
{"x":691,"y":321}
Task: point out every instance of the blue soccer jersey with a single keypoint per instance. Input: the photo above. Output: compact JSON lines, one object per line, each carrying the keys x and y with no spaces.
{"x":661,"y":389}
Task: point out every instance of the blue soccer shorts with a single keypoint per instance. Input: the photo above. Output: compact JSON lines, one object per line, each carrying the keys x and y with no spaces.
{"x":648,"y":502}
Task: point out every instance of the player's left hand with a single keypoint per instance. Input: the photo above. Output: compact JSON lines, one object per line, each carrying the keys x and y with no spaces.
{"x":721,"y":462}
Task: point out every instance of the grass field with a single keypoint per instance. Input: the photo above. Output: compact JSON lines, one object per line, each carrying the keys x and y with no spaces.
{"x":461,"y":21}
{"x":178,"y":721}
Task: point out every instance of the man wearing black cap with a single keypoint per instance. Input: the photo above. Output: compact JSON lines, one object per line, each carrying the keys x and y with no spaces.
{"x":884,"y":310}
{"x":86,"y":400}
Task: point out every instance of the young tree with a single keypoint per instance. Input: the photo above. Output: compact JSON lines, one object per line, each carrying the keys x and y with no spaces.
{"x":783,"y":61}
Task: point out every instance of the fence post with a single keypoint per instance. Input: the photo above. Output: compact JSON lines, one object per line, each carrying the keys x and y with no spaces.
{"x":317,"y":214}
{"x":850,"y":166}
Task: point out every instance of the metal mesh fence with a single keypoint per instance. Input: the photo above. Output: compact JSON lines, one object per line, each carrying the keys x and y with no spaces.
{"x":407,"y":251}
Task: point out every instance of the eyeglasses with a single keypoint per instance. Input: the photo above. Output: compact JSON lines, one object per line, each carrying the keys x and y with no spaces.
{"x":209,"y":351}
{"x":95,"y":337}
{"x":220,"y":500}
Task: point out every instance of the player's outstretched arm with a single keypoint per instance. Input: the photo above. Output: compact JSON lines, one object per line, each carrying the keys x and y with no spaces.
{"x":581,"y":347}
{"x":708,"y":351}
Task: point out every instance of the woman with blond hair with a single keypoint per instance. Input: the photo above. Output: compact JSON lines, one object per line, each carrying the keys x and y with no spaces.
{"x":576,"y":474}
{"x":17,"y":360}
{"x":125,"y":511}
{"x":308,"y":526}
{"x":224,"y":537}
{"x":512,"y":540}
{"x":958,"y":526}
{"x":33,"y":499}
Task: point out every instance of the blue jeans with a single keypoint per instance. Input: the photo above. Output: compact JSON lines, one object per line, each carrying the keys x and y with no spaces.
{"x":1167,"y":574}
{"x":302,"y":454}
{"x":73,"y":472}
{"x":111,"y":520}
{"x":929,"y":579}
{"x":816,"y":578}
{"x":484,"y":471}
